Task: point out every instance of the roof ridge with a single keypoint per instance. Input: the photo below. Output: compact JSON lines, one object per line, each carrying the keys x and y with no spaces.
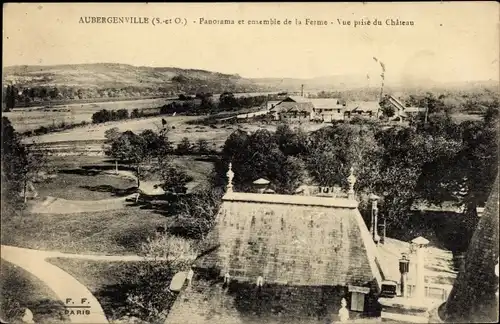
{"x":338,"y":202}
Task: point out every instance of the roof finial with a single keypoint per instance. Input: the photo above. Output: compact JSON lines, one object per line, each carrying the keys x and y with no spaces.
{"x":343,"y":311}
{"x":230,"y":176}
{"x":352,"y":181}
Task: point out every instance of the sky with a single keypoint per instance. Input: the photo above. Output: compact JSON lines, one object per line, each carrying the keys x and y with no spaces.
{"x":449,"y":42}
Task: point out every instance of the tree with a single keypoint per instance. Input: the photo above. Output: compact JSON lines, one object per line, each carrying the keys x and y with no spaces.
{"x":164,"y":256}
{"x":405,"y":155}
{"x":111,"y":135}
{"x":387,"y":109}
{"x":258,"y":156}
{"x":197,"y":213}
{"x":135,"y":113}
{"x":207,"y":104}
{"x":10,"y":97}
{"x":202,"y":146}
{"x":291,"y":142}
{"x":174,"y":180}
{"x":140,"y":150}
{"x":291,"y":175}
{"x":31,"y":162}
{"x":21,"y":163}
{"x":122,"y":114}
{"x":184,"y":147}
{"x":101,"y":116}
{"x":12,"y":150}
{"x":227,"y":101}
{"x":130,"y":148}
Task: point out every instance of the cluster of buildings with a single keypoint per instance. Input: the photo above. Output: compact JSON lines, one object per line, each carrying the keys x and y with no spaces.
{"x":302,"y":109}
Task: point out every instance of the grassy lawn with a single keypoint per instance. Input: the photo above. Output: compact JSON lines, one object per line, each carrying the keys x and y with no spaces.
{"x":195,"y":167}
{"x":20,"y":290}
{"x":198,"y":169}
{"x":110,"y":232}
{"x":109,"y":282}
{"x":73,"y":162}
{"x":80,"y":184}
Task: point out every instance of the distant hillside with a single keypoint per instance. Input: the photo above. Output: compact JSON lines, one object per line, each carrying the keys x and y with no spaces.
{"x":353,"y":81}
{"x":38,"y":84}
{"x":340,"y":82}
{"x":110,"y":75}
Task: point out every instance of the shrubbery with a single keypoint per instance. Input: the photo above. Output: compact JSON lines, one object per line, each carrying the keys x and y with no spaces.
{"x":103,"y":116}
{"x":197,"y":213}
{"x":150,"y":300}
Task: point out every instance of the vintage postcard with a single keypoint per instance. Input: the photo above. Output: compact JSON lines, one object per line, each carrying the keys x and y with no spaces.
{"x":299,"y":163}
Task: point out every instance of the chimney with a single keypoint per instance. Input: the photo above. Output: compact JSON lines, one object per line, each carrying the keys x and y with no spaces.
{"x":301,"y":90}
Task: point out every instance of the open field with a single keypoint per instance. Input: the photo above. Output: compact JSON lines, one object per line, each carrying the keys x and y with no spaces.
{"x":96,"y":132}
{"x":89,"y":139}
{"x":21,"y":290}
{"x":24,"y":119}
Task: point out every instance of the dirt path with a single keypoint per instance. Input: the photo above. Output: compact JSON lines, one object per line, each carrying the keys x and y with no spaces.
{"x":66,"y":288}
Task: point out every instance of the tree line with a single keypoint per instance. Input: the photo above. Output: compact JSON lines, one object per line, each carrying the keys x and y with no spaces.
{"x":21,"y":166}
{"x":21,"y":96}
{"x":201,"y":104}
{"x":435,"y":161}
{"x":204,"y":103}
{"x":27,"y":95}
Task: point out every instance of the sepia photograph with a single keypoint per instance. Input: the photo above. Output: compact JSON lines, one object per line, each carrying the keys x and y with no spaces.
{"x":250,"y":163}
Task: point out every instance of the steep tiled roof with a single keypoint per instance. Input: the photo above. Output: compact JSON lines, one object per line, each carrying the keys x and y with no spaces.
{"x":395,"y":102}
{"x":272,"y":104}
{"x":365,"y":106}
{"x":306,"y":249}
{"x":287,"y":107}
{"x":292,"y":239}
{"x":326,"y":103}
{"x":296,"y":99}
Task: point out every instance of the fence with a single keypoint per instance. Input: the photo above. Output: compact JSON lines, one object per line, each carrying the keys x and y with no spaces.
{"x":432,"y":291}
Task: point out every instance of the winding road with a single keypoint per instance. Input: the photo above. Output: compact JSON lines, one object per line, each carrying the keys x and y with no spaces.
{"x":65,"y":286}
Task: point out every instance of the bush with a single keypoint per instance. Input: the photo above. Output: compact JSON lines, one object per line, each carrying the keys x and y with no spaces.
{"x":104,"y":115}
{"x":197,"y":213}
{"x":150,"y":299}
{"x":184,"y":147}
{"x":41,"y":130}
